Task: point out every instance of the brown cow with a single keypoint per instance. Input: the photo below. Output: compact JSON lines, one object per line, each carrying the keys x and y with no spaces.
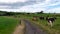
{"x":34,"y":18}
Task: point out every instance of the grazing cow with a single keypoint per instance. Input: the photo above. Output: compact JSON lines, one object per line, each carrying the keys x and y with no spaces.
{"x":34,"y":18}
{"x":54,"y":17}
{"x":50,"y":21}
{"x":46,"y":18}
{"x":42,"y":18}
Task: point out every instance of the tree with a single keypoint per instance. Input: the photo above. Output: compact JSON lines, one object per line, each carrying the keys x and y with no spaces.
{"x":41,"y":12}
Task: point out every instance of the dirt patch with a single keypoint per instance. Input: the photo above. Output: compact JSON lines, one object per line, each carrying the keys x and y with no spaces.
{"x":20,"y":29}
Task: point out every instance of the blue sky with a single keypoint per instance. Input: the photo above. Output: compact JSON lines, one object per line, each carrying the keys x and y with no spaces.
{"x":30,"y":5}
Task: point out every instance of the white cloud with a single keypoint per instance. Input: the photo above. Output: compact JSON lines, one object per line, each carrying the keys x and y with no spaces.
{"x":4,"y":7}
{"x":11,"y":1}
{"x":10,"y":10}
{"x":33,"y":8}
{"x":51,"y":2}
{"x":54,"y":10}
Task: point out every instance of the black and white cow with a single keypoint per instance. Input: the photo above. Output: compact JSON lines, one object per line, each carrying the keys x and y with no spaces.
{"x":50,"y":20}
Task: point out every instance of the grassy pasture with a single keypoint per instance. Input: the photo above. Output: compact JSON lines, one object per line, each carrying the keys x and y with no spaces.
{"x":7,"y":25}
{"x":43,"y":23}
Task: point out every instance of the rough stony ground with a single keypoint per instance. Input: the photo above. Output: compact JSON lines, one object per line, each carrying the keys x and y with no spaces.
{"x":20,"y":29}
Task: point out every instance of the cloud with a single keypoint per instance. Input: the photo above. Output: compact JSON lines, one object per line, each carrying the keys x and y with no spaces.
{"x":32,"y":8}
{"x":11,"y":1}
{"x":53,"y":10}
{"x":30,"y":5}
{"x":19,"y":4}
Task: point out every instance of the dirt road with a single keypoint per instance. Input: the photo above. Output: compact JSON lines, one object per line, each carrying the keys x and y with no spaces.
{"x":27,"y":28}
{"x":20,"y":29}
{"x":33,"y":29}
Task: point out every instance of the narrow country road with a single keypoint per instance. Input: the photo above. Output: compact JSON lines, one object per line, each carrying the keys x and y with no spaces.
{"x":32,"y":29}
{"x":27,"y":28}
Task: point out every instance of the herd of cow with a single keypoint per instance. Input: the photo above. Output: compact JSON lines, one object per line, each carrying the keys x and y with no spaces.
{"x":50,"y":20}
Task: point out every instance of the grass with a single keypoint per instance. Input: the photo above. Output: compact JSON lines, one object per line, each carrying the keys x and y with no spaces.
{"x":7,"y":25}
{"x":43,"y":23}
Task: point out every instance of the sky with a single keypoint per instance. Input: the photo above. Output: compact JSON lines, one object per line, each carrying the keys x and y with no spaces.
{"x":48,"y":6}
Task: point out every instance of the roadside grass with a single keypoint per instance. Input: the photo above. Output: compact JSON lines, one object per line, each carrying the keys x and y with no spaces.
{"x":43,"y":23}
{"x":7,"y":25}
{"x":45,"y":27}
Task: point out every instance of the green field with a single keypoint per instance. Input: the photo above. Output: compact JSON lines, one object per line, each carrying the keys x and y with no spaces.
{"x":43,"y":23}
{"x":7,"y":24}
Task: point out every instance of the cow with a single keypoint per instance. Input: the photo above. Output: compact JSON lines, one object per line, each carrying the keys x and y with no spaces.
{"x":34,"y":18}
{"x":41,"y":18}
{"x":47,"y":17}
{"x":54,"y":17}
{"x":50,"y":20}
